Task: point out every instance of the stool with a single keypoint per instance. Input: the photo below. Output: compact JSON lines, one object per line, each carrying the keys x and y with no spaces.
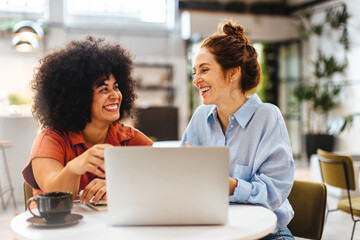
{"x":10,"y":189}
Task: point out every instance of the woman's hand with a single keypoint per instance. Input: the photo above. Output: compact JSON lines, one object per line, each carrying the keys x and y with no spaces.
{"x":232,"y":185}
{"x":97,"y":189}
{"x":92,"y":160}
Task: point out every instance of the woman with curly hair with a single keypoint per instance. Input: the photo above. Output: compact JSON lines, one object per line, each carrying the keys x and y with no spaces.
{"x":81,"y":93}
{"x":226,"y":70}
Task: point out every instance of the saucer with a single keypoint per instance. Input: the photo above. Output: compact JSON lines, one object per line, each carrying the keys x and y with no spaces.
{"x":69,"y":220}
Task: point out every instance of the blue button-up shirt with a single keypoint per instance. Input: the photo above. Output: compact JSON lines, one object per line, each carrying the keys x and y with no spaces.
{"x":260,"y":153}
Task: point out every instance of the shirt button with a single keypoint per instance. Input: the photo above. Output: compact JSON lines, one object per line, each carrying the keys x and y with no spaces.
{"x":232,"y":125}
{"x":232,"y":117}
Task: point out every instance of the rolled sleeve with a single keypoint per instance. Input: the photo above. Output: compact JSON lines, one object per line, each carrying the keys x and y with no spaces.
{"x":242,"y":191}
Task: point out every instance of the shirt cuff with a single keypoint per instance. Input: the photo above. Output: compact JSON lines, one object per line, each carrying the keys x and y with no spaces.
{"x":241,"y":192}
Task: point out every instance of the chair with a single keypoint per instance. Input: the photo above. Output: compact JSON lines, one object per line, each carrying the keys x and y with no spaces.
{"x":338,"y":171}
{"x":28,"y":193}
{"x":308,"y":199}
{"x":10,"y":189}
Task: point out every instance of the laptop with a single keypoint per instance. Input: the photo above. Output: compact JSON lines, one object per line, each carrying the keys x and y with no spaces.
{"x":167,"y":186}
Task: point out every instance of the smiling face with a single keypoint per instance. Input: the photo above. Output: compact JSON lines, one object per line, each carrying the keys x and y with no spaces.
{"x":106,"y":101}
{"x":210,"y":78}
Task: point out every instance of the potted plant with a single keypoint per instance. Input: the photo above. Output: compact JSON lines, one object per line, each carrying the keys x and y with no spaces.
{"x":319,"y":94}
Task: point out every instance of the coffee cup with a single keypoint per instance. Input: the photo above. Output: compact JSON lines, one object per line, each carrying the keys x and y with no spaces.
{"x":52,"y":206}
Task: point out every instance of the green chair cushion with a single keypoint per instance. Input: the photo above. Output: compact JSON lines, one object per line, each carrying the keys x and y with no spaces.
{"x":343,"y":205}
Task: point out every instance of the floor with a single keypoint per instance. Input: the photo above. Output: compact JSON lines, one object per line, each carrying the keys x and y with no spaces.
{"x":338,"y":224}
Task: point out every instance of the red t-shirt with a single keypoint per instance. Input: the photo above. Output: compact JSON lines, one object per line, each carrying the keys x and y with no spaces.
{"x":65,"y":146}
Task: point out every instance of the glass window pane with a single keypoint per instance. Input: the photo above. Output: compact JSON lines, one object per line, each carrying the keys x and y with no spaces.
{"x":142,"y":10}
{"x":22,"y":6}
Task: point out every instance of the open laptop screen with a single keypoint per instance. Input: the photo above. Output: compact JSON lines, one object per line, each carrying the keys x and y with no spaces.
{"x":167,"y":186}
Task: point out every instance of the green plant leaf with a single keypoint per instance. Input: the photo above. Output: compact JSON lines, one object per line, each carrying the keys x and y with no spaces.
{"x":317,"y":29}
{"x":325,"y":67}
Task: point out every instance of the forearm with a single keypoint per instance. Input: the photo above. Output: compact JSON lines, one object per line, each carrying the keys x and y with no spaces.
{"x":64,"y":181}
{"x":267,"y":188}
{"x":50,"y":176}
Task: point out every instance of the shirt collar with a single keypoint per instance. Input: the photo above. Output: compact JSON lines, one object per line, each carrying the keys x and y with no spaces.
{"x":76,"y":138}
{"x":243,"y":114}
{"x":118,"y":133}
{"x":114,"y":135}
{"x":212,"y":113}
{"x":246,"y":111}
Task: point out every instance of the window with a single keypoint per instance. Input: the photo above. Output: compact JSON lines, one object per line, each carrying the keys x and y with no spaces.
{"x":22,"y":6}
{"x":134,"y":14}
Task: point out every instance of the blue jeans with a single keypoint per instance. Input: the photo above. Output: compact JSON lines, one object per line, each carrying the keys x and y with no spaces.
{"x":283,"y":234}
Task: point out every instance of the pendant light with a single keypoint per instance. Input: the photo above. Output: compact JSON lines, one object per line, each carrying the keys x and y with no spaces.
{"x":26,"y":36}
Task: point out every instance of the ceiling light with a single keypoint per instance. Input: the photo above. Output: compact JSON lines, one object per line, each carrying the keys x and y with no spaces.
{"x":27,"y":35}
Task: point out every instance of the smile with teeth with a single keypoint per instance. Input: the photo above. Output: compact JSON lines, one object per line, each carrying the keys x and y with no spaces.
{"x":111,"y":107}
{"x":203,"y":90}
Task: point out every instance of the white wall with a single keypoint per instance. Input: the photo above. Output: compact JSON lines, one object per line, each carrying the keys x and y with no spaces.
{"x":349,"y":140}
{"x":20,"y":131}
{"x":16,"y":69}
{"x":350,"y":97}
{"x":258,"y":27}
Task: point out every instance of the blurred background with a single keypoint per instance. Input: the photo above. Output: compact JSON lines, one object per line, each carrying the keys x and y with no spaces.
{"x":308,"y":50}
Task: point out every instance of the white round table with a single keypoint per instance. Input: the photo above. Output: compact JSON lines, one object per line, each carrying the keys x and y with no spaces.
{"x":245,"y":222}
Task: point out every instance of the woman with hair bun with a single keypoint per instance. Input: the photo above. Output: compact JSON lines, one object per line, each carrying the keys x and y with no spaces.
{"x":81,"y":92}
{"x":225,"y":72}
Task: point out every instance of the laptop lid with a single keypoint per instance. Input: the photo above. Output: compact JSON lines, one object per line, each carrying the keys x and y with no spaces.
{"x":167,"y":186}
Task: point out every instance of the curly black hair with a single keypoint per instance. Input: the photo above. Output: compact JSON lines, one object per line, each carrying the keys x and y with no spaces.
{"x":63,"y":84}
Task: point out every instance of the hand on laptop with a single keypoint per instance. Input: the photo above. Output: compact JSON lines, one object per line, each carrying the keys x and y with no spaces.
{"x":92,"y":160}
{"x":94,"y":191}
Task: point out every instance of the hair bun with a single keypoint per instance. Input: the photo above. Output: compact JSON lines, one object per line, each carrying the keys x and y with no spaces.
{"x":235,"y":31}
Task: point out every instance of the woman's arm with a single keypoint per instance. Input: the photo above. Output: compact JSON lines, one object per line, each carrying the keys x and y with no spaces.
{"x":51,"y":175}
{"x":268,"y":179}
{"x":269,"y":186}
